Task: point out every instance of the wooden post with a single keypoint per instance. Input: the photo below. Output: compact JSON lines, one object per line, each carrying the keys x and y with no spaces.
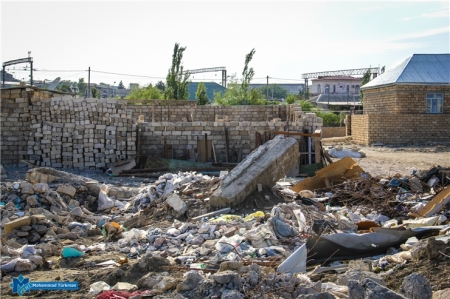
{"x":318,"y":156}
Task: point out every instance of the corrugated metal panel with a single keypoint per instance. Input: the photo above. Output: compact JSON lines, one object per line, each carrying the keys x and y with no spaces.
{"x":418,"y":68}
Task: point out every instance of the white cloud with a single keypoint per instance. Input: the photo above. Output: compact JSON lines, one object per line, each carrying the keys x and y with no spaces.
{"x":444,"y":13}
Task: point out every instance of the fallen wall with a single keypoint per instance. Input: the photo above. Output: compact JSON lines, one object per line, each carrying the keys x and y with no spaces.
{"x":264,"y":166}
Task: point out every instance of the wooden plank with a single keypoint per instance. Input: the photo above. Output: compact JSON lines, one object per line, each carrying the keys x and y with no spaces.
{"x":317,"y":146}
{"x":296,"y":134}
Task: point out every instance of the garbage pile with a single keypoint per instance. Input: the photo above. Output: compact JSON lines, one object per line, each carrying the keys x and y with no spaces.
{"x":165,"y":241}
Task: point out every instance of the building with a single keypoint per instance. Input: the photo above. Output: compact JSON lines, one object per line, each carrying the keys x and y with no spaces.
{"x":211,"y":88}
{"x":292,"y":88}
{"x":335,"y":85}
{"x":407,"y":104}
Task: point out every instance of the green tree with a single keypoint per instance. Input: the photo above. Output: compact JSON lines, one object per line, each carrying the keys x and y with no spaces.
{"x":145,"y":93}
{"x":291,"y":98}
{"x":275,"y":91}
{"x":95,"y":93}
{"x":306,"y":105}
{"x":82,"y":86}
{"x":177,"y":81}
{"x":200,"y":94}
{"x":365,"y":80}
{"x":247,"y":74}
{"x":120,"y":86}
{"x":161,"y":86}
{"x":64,"y":86}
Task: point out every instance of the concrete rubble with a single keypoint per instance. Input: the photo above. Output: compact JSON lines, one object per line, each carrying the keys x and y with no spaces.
{"x":166,"y":237}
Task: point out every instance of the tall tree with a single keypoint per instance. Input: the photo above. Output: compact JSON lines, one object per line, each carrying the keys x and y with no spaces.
{"x":95,"y":93}
{"x":120,"y":86}
{"x":161,"y":86}
{"x":247,"y":74}
{"x":82,"y":86}
{"x":145,"y":93}
{"x":200,"y":94}
{"x":177,"y":81}
{"x":365,"y":80}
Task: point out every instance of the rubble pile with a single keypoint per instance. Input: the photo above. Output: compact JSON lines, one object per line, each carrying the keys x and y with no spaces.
{"x":351,"y":238}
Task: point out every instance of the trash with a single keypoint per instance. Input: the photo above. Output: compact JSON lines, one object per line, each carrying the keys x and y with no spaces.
{"x":117,"y":167}
{"x":346,"y":152}
{"x":261,"y":236}
{"x":281,"y":228}
{"x":113,"y":294}
{"x":104,"y":202}
{"x":421,"y":222}
{"x":296,"y":262}
{"x":225,"y":244}
{"x":108,"y":263}
{"x":337,"y":173}
{"x":256,"y":215}
{"x":226,"y":218}
{"x":435,"y":205}
{"x":177,"y":204}
{"x":16,"y":223}
{"x":98,"y":287}
{"x":69,"y":252}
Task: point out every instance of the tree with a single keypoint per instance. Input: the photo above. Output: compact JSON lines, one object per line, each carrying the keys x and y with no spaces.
{"x":177,"y":81}
{"x":200,"y":94}
{"x":291,"y":98}
{"x":95,"y":93}
{"x":64,"y":86}
{"x":275,"y":91}
{"x":145,"y":93}
{"x":161,"y":86}
{"x":82,"y":86}
{"x":120,"y":86}
{"x":247,"y":74}
{"x":365,"y":80}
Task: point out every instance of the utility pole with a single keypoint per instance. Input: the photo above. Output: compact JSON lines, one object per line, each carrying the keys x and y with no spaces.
{"x":88,"y":95}
{"x":267,"y":89}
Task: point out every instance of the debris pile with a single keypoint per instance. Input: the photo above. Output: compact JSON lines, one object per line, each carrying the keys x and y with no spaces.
{"x":340,"y":234}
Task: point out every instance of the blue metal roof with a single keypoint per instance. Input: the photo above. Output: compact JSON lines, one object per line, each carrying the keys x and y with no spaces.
{"x":416,"y":69}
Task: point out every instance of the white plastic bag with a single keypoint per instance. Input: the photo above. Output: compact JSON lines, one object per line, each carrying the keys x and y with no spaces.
{"x":104,"y":202}
{"x":98,"y":287}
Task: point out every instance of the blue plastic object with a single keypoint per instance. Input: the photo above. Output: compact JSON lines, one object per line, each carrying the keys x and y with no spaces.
{"x":70,"y":252}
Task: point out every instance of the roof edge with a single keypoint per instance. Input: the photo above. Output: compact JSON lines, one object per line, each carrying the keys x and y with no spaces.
{"x":406,"y":84}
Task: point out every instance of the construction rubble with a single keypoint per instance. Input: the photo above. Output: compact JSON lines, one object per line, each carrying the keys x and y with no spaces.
{"x":339,"y":234}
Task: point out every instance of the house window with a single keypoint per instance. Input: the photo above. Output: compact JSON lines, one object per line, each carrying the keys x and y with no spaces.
{"x":319,"y":89}
{"x":435,"y":103}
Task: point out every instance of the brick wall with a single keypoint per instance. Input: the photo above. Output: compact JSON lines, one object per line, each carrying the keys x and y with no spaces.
{"x":405,"y":99}
{"x":328,"y":132}
{"x":401,"y":129}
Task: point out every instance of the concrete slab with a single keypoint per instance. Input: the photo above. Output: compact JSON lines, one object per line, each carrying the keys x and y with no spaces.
{"x":265,"y":165}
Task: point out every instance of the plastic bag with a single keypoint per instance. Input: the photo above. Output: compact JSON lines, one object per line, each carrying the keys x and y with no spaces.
{"x":98,"y":287}
{"x":70,"y":252}
{"x":300,"y":219}
{"x":104,"y":202}
{"x":226,"y":218}
{"x":256,"y":215}
{"x":233,"y":240}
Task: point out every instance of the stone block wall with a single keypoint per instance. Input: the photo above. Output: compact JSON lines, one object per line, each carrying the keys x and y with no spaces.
{"x":48,"y":128}
{"x":405,"y":99}
{"x":402,"y":129}
{"x":328,"y":132}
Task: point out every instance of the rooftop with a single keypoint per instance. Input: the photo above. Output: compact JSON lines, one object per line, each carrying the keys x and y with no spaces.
{"x":416,"y":69}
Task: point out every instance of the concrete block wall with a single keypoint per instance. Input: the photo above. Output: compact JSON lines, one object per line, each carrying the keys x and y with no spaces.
{"x":53,"y":129}
{"x":402,"y":99}
{"x":328,"y":132}
{"x":402,"y":129}
{"x":183,"y":136}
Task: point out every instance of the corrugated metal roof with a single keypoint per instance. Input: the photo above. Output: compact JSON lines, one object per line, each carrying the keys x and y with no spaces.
{"x":416,"y":69}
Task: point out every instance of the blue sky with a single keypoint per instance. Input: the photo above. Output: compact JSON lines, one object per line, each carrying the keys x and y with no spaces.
{"x":290,"y":37}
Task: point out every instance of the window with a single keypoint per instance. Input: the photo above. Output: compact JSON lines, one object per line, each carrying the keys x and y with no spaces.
{"x":435,"y":103}
{"x":319,"y":89}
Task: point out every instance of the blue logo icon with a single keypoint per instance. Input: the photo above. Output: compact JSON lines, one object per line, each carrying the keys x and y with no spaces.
{"x":22,"y":285}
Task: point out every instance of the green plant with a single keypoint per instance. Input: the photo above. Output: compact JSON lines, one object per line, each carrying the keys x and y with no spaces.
{"x":145,"y":93}
{"x":177,"y":81}
{"x":200,"y":94}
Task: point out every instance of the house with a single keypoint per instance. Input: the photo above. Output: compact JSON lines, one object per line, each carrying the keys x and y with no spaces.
{"x":211,"y":88}
{"x":408,"y":104}
{"x":335,"y":85}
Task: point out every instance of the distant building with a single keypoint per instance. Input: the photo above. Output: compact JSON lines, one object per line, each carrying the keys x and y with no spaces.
{"x":133,"y":86}
{"x":292,"y":88}
{"x":211,"y":88}
{"x":335,"y":85}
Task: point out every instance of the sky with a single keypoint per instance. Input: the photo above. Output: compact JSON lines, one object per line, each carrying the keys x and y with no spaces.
{"x":133,"y":41}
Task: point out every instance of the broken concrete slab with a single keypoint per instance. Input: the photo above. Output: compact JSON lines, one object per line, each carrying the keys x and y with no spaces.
{"x":335,"y":173}
{"x":67,"y":189}
{"x":177,"y":204}
{"x":266,"y":165}
{"x":368,"y":288}
{"x":117,"y":167}
{"x":416,"y":286}
{"x":16,"y":223}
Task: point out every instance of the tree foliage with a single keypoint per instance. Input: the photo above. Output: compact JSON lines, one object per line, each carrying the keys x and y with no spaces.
{"x":177,"y":81}
{"x":95,"y":93}
{"x":275,"y":91}
{"x":365,"y":80}
{"x":201,"y":95}
{"x":64,"y":86}
{"x":120,"y":86}
{"x":161,"y":86}
{"x":291,"y":98}
{"x":145,"y":93}
{"x":247,"y":74}
{"x":82,"y":86}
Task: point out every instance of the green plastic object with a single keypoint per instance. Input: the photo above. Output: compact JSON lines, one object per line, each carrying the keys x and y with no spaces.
{"x":68,"y":252}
